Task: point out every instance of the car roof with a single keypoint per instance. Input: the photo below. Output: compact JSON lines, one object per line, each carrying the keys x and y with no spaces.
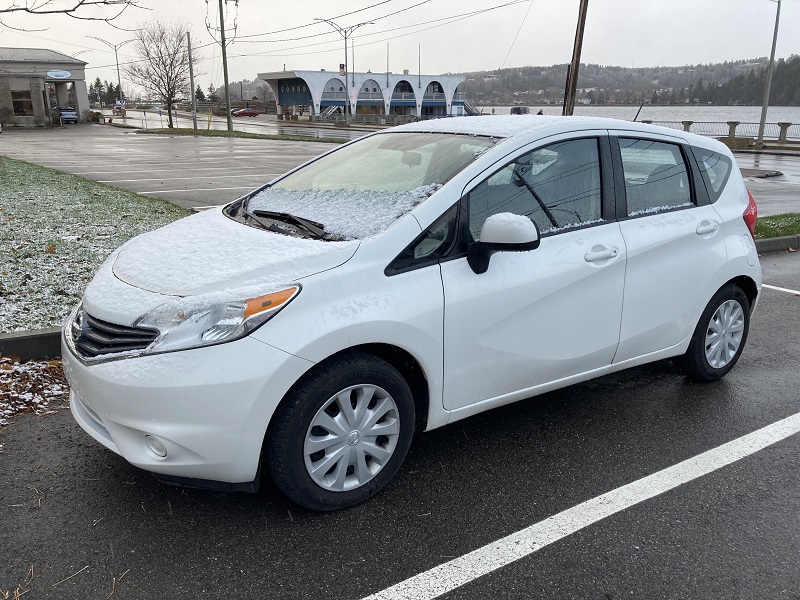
{"x":537,"y":126}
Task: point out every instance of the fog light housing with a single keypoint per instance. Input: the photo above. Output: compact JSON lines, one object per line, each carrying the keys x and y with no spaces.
{"x":156,"y":446}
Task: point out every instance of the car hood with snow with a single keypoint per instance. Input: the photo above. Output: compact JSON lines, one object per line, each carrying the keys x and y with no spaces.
{"x":208,"y":252}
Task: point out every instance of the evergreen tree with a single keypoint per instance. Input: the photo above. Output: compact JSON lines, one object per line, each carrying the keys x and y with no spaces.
{"x":199,"y":95}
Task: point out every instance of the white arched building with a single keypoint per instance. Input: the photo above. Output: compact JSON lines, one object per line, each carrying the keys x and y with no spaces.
{"x":367,"y":93}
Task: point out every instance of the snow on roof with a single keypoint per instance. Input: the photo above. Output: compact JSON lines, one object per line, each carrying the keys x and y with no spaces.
{"x":510,"y":125}
{"x":36,"y":55}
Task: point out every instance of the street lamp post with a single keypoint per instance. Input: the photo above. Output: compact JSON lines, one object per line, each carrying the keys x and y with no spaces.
{"x":764,"y":106}
{"x":115,"y":47}
{"x":345,"y":32}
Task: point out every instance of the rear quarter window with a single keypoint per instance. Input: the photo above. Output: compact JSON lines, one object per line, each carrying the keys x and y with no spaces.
{"x":715,"y":169}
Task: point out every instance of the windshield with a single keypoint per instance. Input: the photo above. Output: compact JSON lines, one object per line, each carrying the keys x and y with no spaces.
{"x":364,"y":187}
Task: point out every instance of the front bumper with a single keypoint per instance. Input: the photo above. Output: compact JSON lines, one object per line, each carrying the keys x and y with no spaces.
{"x":207,"y":409}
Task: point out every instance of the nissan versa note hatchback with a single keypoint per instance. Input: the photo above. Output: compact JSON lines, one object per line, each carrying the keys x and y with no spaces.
{"x":401,"y":282}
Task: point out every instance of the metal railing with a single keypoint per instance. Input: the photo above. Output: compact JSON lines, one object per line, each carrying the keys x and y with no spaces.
{"x":782,"y":132}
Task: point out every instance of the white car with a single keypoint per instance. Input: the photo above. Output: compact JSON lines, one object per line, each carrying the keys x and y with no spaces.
{"x":403,"y":281}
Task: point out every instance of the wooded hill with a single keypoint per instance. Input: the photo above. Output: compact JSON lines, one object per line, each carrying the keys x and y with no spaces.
{"x":728,"y":83}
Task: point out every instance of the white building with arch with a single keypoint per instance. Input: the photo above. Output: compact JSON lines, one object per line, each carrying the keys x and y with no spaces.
{"x":404,"y":93}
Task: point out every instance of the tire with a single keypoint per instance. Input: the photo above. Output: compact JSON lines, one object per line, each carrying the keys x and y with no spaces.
{"x":720,"y":335}
{"x":342,"y":433}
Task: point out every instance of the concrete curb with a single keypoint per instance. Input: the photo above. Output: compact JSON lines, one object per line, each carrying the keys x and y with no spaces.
{"x":37,"y":344}
{"x":778,"y":244}
{"x":40,"y":344}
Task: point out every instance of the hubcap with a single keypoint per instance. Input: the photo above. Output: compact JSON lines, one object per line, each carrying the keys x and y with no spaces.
{"x":724,"y":334}
{"x":351,"y":438}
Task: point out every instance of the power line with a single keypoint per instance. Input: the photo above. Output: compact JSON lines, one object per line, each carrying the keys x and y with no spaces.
{"x":449,"y":20}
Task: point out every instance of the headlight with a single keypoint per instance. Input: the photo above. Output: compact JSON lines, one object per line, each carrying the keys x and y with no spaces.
{"x":187,"y":323}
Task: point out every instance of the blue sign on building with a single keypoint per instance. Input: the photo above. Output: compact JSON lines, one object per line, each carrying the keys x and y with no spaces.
{"x":293,"y":91}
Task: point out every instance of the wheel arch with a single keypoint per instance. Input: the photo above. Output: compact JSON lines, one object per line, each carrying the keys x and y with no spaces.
{"x":747,"y":285}
{"x":402,"y":360}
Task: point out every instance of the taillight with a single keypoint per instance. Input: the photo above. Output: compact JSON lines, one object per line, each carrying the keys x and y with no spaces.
{"x":750,"y":215}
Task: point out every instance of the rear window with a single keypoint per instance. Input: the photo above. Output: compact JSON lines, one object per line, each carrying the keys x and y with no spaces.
{"x":715,"y":169}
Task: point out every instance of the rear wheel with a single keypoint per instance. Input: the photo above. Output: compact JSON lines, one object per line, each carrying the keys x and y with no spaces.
{"x":720,"y":336}
{"x":342,"y":434}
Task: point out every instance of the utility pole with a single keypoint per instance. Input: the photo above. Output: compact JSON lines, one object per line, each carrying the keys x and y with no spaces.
{"x":345,"y":32}
{"x":572,"y":70}
{"x":191,"y":82}
{"x":764,"y":106}
{"x":115,"y":47}
{"x":225,"y":67}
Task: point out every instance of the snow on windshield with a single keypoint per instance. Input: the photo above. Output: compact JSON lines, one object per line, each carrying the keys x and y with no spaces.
{"x":350,"y":214}
{"x":361,"y":188}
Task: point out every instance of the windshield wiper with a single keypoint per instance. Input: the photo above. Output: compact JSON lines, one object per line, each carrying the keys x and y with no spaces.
{"x":312,"y":227}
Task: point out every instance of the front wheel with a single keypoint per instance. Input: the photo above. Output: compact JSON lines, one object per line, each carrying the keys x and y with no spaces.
{"x":342,"y":434}
{"x":721,"y":333}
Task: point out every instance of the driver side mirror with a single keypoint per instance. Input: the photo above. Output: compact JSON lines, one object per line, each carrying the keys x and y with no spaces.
{"x":503,"y":232}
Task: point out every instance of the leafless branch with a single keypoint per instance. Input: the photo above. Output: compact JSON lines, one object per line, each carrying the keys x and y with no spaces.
{"x":77,"y":9}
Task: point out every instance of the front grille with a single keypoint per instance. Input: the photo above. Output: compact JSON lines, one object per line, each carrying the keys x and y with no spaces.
{"x":93,"y":337}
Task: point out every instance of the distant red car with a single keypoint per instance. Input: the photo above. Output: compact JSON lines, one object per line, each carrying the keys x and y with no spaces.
{"x":245,"y":112}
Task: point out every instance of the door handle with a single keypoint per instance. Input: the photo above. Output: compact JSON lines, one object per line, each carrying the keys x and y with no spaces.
{"x":599,"y":253}
{"x":706,"y":227}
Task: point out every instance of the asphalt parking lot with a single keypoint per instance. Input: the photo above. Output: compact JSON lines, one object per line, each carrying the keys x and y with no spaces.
{"x":80,"y":522}
{"x":191,"y":172}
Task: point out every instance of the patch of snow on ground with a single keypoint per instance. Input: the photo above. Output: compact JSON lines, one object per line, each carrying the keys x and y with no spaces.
{"x":350,"y":214}
{"x":33,"y":386}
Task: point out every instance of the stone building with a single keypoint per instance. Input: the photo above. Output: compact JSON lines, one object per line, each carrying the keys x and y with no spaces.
{"x":34,"y":81}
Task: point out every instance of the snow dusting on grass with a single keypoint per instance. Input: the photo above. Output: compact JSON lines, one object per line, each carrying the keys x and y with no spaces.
{"x":55,"y":231}
{"x":34,"y":386}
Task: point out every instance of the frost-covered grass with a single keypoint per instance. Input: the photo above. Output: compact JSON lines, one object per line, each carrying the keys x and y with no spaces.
{"x":778,"y":225}
{"x":55,"y":230}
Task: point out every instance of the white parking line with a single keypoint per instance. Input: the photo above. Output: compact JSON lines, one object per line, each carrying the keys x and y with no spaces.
{"x":780,"y":289}
{"x":246,"y":187}
{"x":460,"y":571}
{"x":220,"y":176}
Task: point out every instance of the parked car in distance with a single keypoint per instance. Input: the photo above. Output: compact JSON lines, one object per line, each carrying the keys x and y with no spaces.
{"x":401,"y":282}
{"x":245,"y":112}
{"x":68,"y":114}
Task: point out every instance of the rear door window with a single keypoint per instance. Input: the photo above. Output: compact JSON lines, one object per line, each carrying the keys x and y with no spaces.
{"x":656,"y":177}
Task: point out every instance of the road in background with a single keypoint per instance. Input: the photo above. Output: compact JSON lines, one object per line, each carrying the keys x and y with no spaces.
{"x":773,"y":195}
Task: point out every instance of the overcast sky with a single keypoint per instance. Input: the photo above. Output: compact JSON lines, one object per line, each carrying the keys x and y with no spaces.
{"x":441,"y":32}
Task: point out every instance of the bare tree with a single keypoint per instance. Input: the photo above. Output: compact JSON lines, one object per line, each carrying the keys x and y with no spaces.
{"x":163,"y":65}
{"x":77,"y":9}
